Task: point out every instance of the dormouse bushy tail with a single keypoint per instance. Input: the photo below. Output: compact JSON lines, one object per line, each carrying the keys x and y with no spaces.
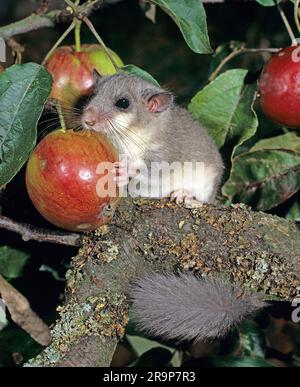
{"x":186,"y":307}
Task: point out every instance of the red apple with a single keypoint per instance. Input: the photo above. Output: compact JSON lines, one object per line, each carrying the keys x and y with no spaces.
{"x":72,"y":71}
{"x":279,"y":87}
{"x":66,"y":180}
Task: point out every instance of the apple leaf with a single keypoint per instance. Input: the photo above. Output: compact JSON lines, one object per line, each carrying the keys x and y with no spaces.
{"x":15,"y":340}
{"x":268,"y":174}
{"x":134,"y":70}
{"x":251,"y":339}
{"x":12,"y":261}
{"x":245,"y":361}
{"x":224,"y":107}
{"x":190,"y":17}
{"x":140,"y":345}
{"x":267,"y":3}
{"x":294,"y":211}
{"x":23,"y":93}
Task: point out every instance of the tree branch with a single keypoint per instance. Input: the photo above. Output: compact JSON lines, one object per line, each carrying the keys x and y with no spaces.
{"x":30,"y":23}
{"x":259,"y":251}
{"x":237,"y":52}
{"x":30,"y":233}
{"x":22,"y":314}
{"x":38,"y":21}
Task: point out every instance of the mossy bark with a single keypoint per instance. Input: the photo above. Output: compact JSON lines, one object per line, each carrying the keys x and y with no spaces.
{"x":259,"y":251}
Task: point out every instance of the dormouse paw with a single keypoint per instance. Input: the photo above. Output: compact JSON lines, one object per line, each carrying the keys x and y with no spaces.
{"x":120,"y":173}
{"x":183,"y":197}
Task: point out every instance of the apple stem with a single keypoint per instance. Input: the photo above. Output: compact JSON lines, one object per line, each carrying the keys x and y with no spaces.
{"x":99,"y":39}
{"x":77,"y":35}
{"x":240,"y":51}
{"x":63,"y":36}
{"x":61,"y":116}
{"x":287,"y":24}
{"x":296,"y":15}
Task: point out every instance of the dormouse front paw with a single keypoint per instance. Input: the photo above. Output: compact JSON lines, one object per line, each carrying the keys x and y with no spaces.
{"x":183,"y":197}
{"x":120,"y":173}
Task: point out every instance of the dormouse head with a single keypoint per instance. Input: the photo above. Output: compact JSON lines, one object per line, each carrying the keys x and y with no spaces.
{"x":122,"y":102}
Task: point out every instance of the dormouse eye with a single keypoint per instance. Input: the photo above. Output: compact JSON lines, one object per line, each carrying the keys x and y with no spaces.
{"x":122,"y":103}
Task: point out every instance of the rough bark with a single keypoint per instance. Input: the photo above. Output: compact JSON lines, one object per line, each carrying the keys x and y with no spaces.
{"x":260,"y":251}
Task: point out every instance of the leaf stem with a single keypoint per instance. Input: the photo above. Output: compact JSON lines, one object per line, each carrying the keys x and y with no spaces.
{"x":296,"y":15}
{"x":99,"y":39}
{"x":28,"y":233}
{"x":233,"y":54}
{"x":63,"y":36}
{"x":77,"y":35}
{"x":60,"y":115}
{"x":287,"y":24}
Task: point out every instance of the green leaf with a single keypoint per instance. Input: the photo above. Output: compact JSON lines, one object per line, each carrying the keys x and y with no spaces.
{"x":134,"y":70}
{"x":294,"y":211}
{"x":268,"y":174}
{"x":252,"y":339}
{"x":23,"y":92}
{"x":15,"y":340}
{"x":246,"y":361}
{"x":289,"y":141}
{"x":190,"y":17}
{"x":12,"y":261}
{"x":155,"y":357}
{"x":224,"y":107}
{"x":267,"y":3}
{"x":140,"y":345}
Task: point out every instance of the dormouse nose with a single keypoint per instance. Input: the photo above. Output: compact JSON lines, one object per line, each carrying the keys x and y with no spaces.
{"x":90,"y":117}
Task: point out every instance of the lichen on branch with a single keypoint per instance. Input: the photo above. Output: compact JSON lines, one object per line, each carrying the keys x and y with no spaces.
{"x":259,"y":251}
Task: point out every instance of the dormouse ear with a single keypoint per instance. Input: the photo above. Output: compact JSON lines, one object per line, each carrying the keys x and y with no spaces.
{"x":97,"y":77}
{"x":159,"y":102}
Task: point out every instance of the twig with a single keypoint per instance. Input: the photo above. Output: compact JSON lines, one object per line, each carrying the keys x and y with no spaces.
{"x":36,"y":21}
{"x":21,"y":313}
{"x":286,"y":23}
{"x":43,"y":7}
{"x":59,"y":41}
{"x":233,"y":54}
{"x":29,"y":233}
{"x":101,"y":42}
{"x":17,"y":50}
{"x":296,"y":15}
{"x":30,"y":23}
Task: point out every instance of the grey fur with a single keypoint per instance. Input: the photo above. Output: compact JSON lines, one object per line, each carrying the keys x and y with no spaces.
{"x":174,"y":133}
{"x":186,"y":307}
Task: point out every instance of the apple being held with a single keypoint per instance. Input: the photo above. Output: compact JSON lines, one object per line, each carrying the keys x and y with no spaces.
{"x":69,"y":181}
{"x":72,"y":71}
{"x":279,"y":87}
